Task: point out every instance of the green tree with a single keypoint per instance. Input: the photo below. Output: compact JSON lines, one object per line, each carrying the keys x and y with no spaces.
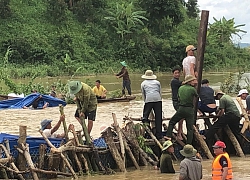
{"x":57,"y":10}
{"x":192,"y":9}
{"x":222,"y":30}
{"x":125,"y":19}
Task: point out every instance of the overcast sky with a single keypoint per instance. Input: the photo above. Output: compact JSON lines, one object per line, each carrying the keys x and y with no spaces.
{"x":237,"y":9}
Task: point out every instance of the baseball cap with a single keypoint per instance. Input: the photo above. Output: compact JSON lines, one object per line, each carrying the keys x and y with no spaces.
{"x":190,"y":47}
{"x":219,"y":144}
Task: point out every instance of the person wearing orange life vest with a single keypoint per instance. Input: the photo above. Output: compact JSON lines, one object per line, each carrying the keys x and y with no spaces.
{"x":222,"y":166}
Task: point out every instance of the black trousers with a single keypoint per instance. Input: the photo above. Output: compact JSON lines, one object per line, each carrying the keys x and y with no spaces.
{"x":157,"y":107}
{"x":126,"y":84}
{"x":231,"y":120}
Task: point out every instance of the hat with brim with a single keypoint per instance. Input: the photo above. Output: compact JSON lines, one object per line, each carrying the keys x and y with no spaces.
{"x":219,"y":144}
{"x":217,"y":92}
{"x":188,"y":151}
{"x":149,"y":75}
{"x":123,"y":63}
{"x":243,"y":91}
{"x":189,"y":78}
{"x":45,"y":123}
{"x":103,"y":128}
{"x":74,"y":87}
{"x":166,"y":145}
{"x":190,"y":47}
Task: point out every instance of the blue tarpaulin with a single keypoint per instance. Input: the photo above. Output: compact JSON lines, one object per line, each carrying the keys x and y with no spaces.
{"x":18,"y":103}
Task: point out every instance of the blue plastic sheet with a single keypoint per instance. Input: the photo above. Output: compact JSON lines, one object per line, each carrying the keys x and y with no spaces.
{"x":18,"y":103}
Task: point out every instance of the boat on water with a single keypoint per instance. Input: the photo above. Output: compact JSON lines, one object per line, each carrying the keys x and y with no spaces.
{"x":121,"y":99}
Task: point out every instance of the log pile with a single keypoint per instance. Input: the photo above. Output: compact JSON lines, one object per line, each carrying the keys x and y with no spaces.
{"x":74,"y":158}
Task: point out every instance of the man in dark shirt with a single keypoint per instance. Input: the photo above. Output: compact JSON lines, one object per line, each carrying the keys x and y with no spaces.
{"x":175,"y":84}
{"x":126,"y":81}
{"x":207,"y":103}
{"x":166,"y":164}
{"x":186,"y":94}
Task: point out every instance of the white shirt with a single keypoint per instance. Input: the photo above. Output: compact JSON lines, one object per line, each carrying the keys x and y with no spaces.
{"x":47,"y":133}
{"x":187,"y":61}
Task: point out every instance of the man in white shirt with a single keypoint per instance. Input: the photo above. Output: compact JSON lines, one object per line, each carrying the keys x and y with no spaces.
{"x":49,"y":131}
{"x":189,"y":62}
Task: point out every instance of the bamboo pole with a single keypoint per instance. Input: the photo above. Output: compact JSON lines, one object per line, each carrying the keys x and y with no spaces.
{"x":113,"y":149}
{"x":61,"y":109}
{"x":153,"y":137}
{"x":246,"y":123}
{"x":78,"y":163}
{"x":234,"y":141}
{"x":119,"y":133}
{"x":202,"y":143}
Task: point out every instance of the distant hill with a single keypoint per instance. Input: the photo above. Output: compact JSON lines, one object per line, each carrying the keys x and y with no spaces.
{"x":243,"y":45}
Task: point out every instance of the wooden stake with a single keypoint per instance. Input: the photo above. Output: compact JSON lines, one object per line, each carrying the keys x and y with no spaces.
{"x":202,"y":143}
{"x":119,"y":133}
{"x":42,"y":148}
{"x":21,"y":162}
{"x":64,"y":123}
{"x":113,"y":149}
{"x":246,"y":123}
{"x":234,"y":141}
{"x":153,"y":137}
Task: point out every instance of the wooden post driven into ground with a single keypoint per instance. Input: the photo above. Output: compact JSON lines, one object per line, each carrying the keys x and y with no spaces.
{"x":200,"y":51}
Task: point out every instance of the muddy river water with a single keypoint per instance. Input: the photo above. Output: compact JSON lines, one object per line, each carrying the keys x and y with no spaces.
{"x":10,"y":120}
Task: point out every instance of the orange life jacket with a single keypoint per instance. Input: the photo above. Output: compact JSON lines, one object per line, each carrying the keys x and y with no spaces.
{"x":217,"y":168}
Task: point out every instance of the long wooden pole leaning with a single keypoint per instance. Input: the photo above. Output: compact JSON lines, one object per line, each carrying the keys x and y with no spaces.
{"x":118,"y":130}
{"x":202,"y":143}
{"x":246,"y":123}
{"x":64,"y":123}
{"x":234,"y":141}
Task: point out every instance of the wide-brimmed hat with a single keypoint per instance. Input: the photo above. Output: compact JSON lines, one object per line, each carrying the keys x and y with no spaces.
{"x":218,"y":91}
{"x":123,"y":63}
{"x":190,"y":47}
{"x":149,"y":75}
{"x":45,"y":123}
{"x":219,"y":144}
{"x":166,"y":145}
{"x":103,"y":128}
{"x":243,"y":91}
{"x":74,"y":87}
{"x":189,"y":78}
{"x":188,"y":151}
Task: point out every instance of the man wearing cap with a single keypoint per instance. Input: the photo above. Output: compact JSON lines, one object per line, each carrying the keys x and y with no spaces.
{"x":166,"y":164}
{"x":190,"y":167}
{"x":50,"y":132}
{"x":151,"y":94}
{"x":207,"y":103}
{"x":186,"y":94}
{"x":228,"y":114}
{"x":222,"y":166}
{"x":189,"y":62}
{"x":126,"y":80}
{"x":243,"y":94}
{"x":86,"y":101}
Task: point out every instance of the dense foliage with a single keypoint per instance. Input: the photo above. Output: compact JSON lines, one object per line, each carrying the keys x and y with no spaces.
{"x":55,"y":37}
